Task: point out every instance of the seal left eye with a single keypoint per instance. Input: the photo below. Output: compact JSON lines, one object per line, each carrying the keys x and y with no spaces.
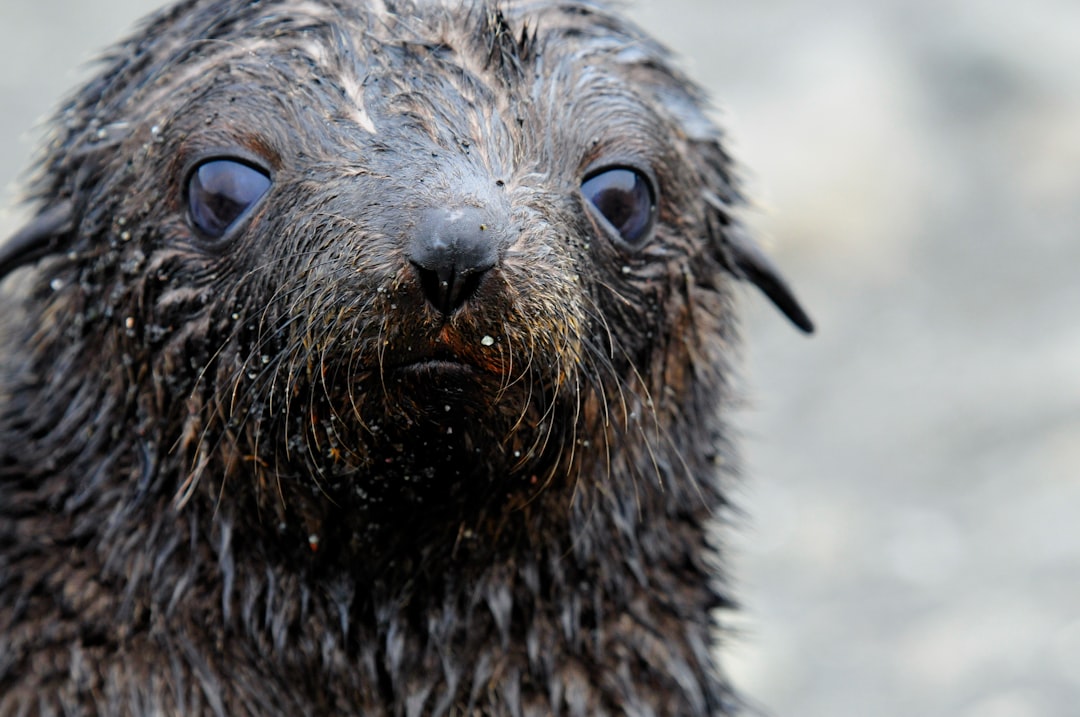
{"x":624,"y":197}
{"x":220,"y":191}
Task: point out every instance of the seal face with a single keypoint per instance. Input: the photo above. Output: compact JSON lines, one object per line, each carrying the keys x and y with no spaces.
{"x":369,"y":360}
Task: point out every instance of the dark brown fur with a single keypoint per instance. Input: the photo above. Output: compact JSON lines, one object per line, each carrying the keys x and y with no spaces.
{"x":226,"y":485}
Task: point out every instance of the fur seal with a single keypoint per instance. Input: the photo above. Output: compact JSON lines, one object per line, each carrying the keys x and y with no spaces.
{"x":370,"y":357}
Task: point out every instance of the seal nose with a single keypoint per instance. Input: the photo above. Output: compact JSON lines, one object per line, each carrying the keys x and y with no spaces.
{"x":452,"y":249}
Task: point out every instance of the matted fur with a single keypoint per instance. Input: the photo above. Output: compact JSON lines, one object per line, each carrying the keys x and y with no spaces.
{"x":229,"y":482}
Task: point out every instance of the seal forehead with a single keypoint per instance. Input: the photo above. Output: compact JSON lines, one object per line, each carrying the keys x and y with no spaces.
{"x":492,"y":55}
{"x":347,"y":45}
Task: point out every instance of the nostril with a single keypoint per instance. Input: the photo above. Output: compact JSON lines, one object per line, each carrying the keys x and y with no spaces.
{"x":452,"y":249}
{"x":447,"y":292}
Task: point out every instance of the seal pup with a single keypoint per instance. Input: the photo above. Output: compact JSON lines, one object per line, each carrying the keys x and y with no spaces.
{"x":370,"y":357}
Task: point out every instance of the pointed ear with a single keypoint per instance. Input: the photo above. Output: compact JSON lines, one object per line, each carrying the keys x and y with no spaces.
{"x":44,"y":235}
{"x":747,"y":261}
{"x":685,"y":104}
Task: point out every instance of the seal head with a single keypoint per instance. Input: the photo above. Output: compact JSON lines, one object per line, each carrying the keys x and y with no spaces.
{"x":371,"y":361}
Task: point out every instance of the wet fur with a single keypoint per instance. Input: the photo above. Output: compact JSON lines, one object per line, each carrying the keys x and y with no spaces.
{"x":221,"y":493}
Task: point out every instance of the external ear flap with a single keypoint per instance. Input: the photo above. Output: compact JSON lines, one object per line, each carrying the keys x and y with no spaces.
{"x":750,"y":263}
{"x":684,"y":104}
{"x":41,"y":237}
{"x":747,"y":261}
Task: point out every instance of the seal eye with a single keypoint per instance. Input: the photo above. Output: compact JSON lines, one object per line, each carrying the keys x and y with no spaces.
{"x":220,"y":191}
{"x":624,"y":197}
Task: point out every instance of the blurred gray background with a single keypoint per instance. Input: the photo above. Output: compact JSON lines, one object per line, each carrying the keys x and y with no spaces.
{"x":912,"y":545}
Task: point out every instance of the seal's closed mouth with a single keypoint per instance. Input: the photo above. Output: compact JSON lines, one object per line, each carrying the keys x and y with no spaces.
{"x":441,"y":367}
{"x":449,"y":353}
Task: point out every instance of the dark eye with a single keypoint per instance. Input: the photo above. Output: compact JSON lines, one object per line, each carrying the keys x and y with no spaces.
{"x":624,"y":197}
{"x":220,"y":191}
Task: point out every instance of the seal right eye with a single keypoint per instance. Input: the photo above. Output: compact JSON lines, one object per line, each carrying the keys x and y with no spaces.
{"x":220,"y":191}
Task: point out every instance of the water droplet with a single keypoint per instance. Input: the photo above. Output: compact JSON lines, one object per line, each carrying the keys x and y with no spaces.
{"x":487,"y":341}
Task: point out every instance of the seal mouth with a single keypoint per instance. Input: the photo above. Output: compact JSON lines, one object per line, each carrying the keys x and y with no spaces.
{"x":436,"y":360}
{"x":437,"y":367}
{"x":446,"y":355}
